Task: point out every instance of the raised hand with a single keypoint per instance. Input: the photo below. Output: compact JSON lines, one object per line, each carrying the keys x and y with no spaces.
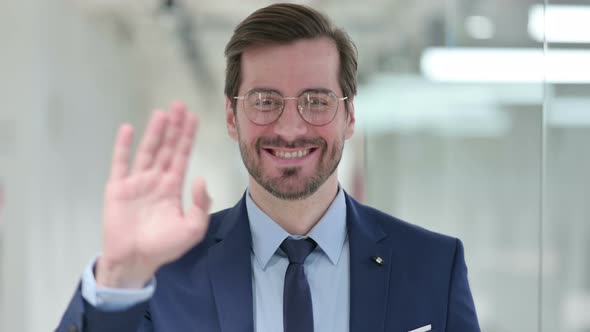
{"x":144,"y":225}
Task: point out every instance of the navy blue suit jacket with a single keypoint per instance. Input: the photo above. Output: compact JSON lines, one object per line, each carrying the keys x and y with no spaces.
{"x":423,"y":281}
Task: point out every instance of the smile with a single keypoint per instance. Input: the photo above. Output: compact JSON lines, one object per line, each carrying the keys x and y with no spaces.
{"x":291,"y":154}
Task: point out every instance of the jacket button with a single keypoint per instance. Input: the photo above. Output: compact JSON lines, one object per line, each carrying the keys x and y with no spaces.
{"x":73,"y":328}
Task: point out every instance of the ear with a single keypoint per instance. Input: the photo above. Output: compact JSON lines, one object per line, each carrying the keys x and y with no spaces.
{"x":230,"y":120}
{"x":349,"y":120}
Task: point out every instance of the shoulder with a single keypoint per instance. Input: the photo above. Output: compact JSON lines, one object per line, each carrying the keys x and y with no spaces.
{"x":216,"y":220}
{"x":404,"y":234}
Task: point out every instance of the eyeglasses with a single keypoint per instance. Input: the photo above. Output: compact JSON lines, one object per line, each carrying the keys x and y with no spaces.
{"x":316,"y":107}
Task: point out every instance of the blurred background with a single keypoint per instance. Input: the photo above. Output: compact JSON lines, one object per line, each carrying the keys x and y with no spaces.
{"x":472,"y":117}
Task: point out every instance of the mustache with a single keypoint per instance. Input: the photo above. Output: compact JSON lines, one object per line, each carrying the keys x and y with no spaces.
{"x":279,"y":142}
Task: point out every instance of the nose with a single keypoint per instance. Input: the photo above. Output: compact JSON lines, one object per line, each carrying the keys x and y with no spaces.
{"x":290,"y":125}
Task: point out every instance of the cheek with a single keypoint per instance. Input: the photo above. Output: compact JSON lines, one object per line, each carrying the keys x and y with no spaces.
{"x":335,"y":132}
{"x":249,"y":133}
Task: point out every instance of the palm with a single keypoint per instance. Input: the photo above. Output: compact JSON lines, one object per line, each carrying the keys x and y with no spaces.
{"x":144,"y":223}
{"x":146,"y":217}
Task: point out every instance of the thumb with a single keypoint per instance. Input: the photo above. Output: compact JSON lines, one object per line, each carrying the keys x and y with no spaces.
{"x":198,"y":214}
{"x":200,"y":196}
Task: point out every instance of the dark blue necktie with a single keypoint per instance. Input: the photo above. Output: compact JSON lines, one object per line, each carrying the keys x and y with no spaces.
{"x":297,"y":306}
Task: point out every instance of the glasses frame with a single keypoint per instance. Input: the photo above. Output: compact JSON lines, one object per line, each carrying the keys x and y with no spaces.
{"x":299,"y":108}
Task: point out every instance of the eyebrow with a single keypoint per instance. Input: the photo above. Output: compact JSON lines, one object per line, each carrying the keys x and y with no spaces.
{"x":324,"y":90}
{"x":317,"y":90}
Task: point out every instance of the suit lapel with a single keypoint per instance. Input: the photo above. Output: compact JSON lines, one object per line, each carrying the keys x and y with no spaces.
{"x":230,"y":271}
{"x":369,"y":281}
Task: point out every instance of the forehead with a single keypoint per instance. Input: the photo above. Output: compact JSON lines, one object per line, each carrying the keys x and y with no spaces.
{"x":291,"y":68}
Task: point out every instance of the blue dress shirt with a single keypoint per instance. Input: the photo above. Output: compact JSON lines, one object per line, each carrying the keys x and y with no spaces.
{"x":327,"y":269}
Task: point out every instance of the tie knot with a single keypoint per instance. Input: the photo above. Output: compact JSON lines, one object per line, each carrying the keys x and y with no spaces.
{"x":298,"y":250}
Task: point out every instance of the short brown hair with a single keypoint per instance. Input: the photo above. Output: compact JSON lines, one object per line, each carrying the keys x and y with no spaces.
{"x":281,"y":24}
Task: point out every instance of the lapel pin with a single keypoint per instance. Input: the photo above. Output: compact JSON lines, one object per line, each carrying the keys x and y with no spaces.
{"x":378,"y":260}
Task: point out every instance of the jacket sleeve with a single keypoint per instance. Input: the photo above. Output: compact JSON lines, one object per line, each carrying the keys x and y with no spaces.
{"x":461,"y":315}
{"x":80,"y":316}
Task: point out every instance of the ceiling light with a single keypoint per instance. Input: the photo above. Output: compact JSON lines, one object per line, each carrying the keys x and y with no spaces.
{"x":502,"y":65}
{"x":479,"y":27}
{"x":560,"y":23}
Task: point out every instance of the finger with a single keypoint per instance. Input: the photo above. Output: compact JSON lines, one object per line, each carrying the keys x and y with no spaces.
{"x":200,"y":196}
{"x":173,"y":132}
{"x":197,"y":218}
{"x":120,"y":158}
{"x":184,"y":146}
{"x":150,"y":141}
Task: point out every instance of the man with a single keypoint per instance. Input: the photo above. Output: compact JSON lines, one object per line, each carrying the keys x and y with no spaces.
{"x":296,"y":253}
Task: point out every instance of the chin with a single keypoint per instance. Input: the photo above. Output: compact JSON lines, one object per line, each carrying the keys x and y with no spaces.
{"x":292,"y":186}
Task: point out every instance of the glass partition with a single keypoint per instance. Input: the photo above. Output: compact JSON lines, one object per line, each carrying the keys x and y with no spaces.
{"x":454,"y":142}
{"x":566,"y":218}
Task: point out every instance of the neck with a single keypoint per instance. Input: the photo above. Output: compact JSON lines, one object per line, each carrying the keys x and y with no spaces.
{"x":297,"y":217}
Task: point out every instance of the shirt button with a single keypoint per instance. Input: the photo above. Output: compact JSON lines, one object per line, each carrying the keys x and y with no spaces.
{"x":73,"y":328}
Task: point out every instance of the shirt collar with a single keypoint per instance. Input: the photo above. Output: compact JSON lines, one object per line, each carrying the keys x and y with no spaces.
{"x":329,"y":233}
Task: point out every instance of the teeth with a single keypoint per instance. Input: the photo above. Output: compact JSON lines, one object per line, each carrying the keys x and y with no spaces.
{"x":291,"y":155}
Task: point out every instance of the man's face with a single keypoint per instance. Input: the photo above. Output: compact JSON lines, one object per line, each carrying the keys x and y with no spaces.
{"x":291,"y":158}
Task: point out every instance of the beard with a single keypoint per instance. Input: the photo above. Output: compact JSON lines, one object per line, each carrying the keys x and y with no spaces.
{"x":290,"y":184}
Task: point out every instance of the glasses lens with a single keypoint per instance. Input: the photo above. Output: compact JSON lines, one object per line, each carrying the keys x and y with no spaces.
{"x":263,"y":107}
{"x":318,"y":108}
